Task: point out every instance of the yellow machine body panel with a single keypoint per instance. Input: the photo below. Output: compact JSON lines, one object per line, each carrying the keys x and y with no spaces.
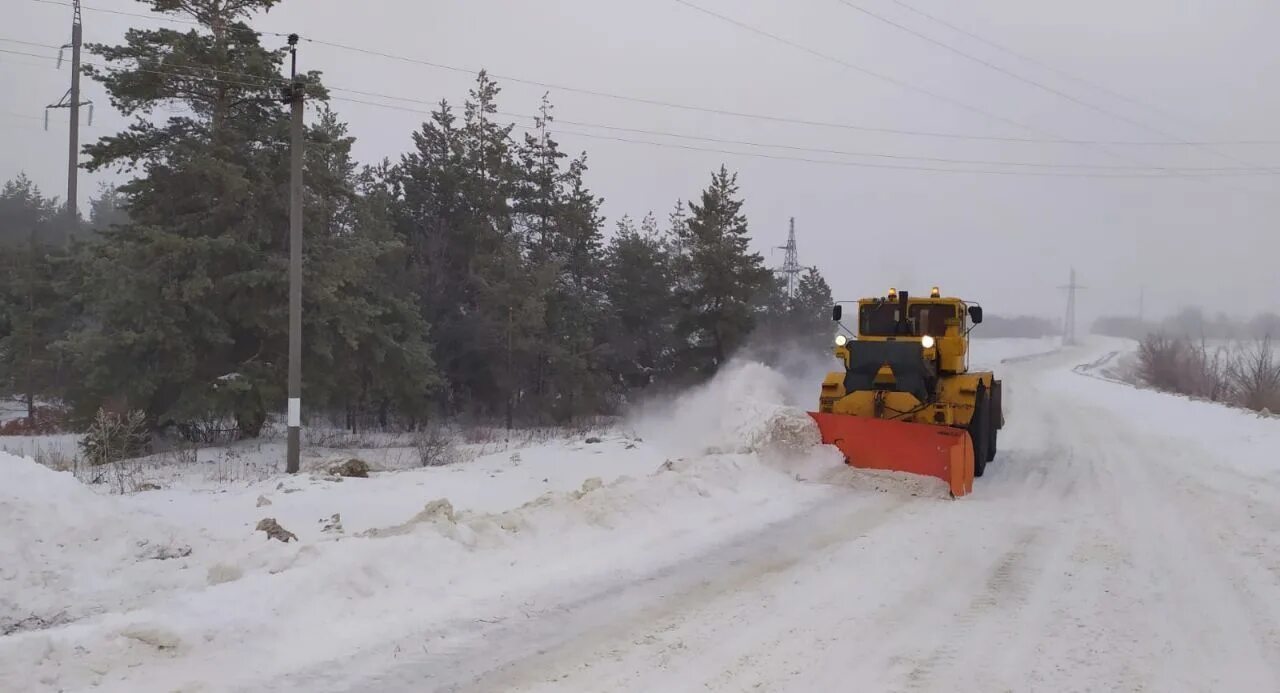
{"x":906,"y":383}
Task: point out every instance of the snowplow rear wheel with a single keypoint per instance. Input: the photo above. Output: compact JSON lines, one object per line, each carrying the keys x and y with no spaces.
{"x":980,"y":430}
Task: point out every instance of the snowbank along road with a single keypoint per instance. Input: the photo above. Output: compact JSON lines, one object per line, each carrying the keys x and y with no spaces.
{"x":1122,"y":540}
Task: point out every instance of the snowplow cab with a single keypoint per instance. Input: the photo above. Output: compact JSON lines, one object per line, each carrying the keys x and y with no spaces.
{"x":906,"y":399}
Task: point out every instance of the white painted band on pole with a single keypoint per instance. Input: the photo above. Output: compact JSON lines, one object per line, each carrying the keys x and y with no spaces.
{"x":295,"y":412}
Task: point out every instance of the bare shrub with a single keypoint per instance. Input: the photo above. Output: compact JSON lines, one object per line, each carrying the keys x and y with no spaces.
{"x":1254,"y":376}
{"x":113,"y":437}
{"x":339,"y":439}
{"x":1179,"y":365}
{"x":210,"y":429}
{"x":477,"y":435}
{"x":1243,"y":376}
{"x":1160,"y":359}
{"x":1205,"y":372}
{"x":436,"y":447}
{"x":234,"y":467}
{"x":56,"y":460}
{"x":110,"y":443}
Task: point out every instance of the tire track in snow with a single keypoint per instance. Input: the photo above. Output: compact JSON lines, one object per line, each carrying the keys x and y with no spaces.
{"x":1006,"y":587}
{"x":562,"y":638}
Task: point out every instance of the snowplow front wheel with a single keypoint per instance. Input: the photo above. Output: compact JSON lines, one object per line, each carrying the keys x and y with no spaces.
{"x":980,"y":430}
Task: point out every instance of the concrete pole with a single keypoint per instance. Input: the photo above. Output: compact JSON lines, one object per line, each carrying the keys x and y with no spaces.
{"x":73,"y":163}
{"x":295,"y":269}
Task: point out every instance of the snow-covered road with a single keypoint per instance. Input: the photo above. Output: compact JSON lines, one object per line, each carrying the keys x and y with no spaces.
{"x":1122,"y":540}
{"x":1093,"y":556}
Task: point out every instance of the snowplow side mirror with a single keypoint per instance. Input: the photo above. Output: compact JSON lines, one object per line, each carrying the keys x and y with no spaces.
{"x":975,"y":314}
{"x":836,"y":312}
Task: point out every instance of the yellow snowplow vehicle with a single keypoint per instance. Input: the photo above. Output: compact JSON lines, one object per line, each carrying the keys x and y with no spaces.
{"x":906,"y":400}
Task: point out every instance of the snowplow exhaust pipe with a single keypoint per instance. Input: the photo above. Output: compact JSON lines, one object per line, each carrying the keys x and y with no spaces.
{"x":942,"y":452}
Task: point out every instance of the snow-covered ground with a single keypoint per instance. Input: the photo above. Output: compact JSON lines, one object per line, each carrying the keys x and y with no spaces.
{"x":1123,"y":540}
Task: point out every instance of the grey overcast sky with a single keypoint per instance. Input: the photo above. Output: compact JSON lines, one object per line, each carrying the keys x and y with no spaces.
{"x":1208,"y":67}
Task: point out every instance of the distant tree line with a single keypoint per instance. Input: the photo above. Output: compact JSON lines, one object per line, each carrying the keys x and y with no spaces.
{"x":1192,"y":323}
{"x":995,"y":326}
{"x":470,"y":279}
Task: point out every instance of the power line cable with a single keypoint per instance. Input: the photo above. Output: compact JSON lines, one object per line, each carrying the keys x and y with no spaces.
{"x":867,"y":71}
{"x":997,"y":68}
{"x":1027,"y":80}
{"x":910,"y":87}
{"x":706,"y":109}
{"x":261,"y":83}
{"x":855,"y":164}
{"x":750,"y":143}
{"x":1041,"y":64}
{"x":30,"y":43}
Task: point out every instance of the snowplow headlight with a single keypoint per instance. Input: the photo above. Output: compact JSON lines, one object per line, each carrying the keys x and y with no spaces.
{"x":927,"y":342}
{"x":841,"y":340}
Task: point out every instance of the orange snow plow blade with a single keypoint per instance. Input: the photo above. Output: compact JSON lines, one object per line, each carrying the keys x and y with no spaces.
{"x":937,"y":451}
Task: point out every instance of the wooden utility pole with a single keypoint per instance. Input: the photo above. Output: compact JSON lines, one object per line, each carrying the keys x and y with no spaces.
{"x":295,"y":262}
{"x":71,"y":101}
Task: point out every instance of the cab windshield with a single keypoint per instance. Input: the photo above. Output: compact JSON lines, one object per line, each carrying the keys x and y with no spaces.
{"x":881,"y":319}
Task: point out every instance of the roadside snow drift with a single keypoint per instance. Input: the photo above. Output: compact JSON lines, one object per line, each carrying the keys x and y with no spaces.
{"x":67,"y":552}
{"x":105,"y":592}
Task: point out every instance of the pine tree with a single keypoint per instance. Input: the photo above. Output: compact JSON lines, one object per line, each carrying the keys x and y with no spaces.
{"x":723,"y":281}
{"x":810,"y":311}
{"x":364,"y":331}
{"x":108,"y":209}
{"x":484,"y":302}
{"x":32,"y":311}
{"x":561,"y":224}
{"x":641,"y":292}
{"x":187,"y":299}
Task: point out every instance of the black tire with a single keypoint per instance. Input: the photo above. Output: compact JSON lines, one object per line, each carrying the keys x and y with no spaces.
{"x":996,"y":417}
{"x":980,"y":430}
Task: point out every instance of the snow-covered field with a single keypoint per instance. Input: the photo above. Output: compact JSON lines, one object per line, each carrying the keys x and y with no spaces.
{"x":1122,"y":540}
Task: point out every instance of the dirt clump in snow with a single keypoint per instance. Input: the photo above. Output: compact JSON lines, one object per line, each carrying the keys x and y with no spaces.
{"x":275,"y":531}
{"x":332,"y":524}
{"x":263,"y":500}
{"x":161,"y":552}
{"x":32,"y":622}
{"x":352,"y":468}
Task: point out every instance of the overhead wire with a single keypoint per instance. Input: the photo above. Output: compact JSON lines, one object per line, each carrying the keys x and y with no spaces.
{"x":258,"y":82}
{"x":771,"y":145}
{"x":1027,"y":80}
{"x":697,"y":108}
{"x":900,"y":83}
{"x":1167,"y":172}
{"x":31,"y":43}
{"x":867,"y":71}
{"x":997,"y":68}
{"x":855,"y":164}
{"x":1033,"y":61}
